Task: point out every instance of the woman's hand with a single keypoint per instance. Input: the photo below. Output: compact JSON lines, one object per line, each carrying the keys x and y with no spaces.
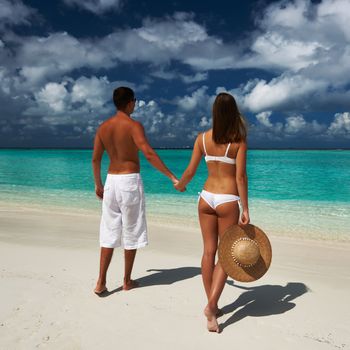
{"x":244,"y":220}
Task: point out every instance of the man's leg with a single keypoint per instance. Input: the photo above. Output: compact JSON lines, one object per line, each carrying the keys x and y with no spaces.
{"x":105,"y":259}
{"x":129,"y":258}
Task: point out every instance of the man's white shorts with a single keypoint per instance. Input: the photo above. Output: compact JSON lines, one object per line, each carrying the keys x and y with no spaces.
{"x":123,"y":221}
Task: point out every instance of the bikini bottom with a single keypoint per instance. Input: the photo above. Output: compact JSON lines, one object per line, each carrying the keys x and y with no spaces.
{"x":216,"y":199}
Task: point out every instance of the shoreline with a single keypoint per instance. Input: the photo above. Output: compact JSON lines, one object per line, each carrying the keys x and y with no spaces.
{"x":175,"y":220}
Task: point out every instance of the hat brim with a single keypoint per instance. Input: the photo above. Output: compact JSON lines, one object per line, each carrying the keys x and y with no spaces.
{"x":239,"y":273}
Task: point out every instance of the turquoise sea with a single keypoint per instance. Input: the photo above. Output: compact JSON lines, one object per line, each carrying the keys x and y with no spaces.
{"x":304,"y":193}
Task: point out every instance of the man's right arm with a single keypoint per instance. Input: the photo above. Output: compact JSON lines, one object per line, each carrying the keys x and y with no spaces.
{"x":142,"y":144}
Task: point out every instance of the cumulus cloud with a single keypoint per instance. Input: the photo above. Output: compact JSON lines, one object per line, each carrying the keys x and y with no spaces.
{"x":158,"y":42}
{"x":74,"y":103}
{"x":96,"y":6}
{"x":264,"y":118}
{"x":92,"y":91}
{"x":307,"y":42}
{"x":340,"y":125}
{"x":14,"y":12}
{"x":53,"y":95}
{"x":286,"y":92}
{"x":197,"y":100}
{"x":44,"y":58}
{"x":295,"y":124}
{"x":294,"y":127}
{"x":172,"y":127}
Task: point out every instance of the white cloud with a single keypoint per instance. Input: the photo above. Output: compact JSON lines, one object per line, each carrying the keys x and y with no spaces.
{"x":72,"y":102}
{"x":94,"y":91}
{"x":264,"y":118}
{"x":294,"y":127}
{"x":295,"y":124}
{"x":14,"y":12}
{"x":5,"y":81}
{"x":96,"y":6}
{"x":274,"y":49}
{"x":335,"y":13}
{"x":151,"y":116}
{"x":204,"y":122}
{"x":285,"y":14}
{"x":340,"y":125}
{"x":43,"y":58}
{"x":197,"y":100}
{"x":173,"y":33}
{"x":54,"y":96}
{"x":188,"y":79}
{"x":281,"y":92}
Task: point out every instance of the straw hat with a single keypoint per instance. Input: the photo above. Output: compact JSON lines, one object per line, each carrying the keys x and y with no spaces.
{"x":245,"y":253}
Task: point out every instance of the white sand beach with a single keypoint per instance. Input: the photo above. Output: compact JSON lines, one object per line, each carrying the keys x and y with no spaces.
{"x":49,"y":265}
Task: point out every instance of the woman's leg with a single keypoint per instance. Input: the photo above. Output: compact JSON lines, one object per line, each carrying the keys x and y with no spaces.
{"x":228,"y":214}
{"x":209,"y":227}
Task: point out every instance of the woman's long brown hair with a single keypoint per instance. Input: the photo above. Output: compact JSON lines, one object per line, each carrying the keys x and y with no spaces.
{"x":228,"y":123}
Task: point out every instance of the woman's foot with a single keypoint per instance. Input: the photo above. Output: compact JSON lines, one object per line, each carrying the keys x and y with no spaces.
{"x":100,"y":289}
{"x":219,"y":313}
{"x":212,"y":323}
{"x":130,"y":285}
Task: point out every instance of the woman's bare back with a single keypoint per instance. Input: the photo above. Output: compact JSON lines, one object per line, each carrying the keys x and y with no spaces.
{"x":221,"y":176}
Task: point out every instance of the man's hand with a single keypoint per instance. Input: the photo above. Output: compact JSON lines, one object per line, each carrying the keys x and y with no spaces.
{"x":99,"y":191}
{"x":179,"y":187}
{"x":174,"y":180}
{"x":244,"y":220}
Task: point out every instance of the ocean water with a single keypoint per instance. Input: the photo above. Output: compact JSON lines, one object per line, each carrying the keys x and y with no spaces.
{"x":294,"y":193}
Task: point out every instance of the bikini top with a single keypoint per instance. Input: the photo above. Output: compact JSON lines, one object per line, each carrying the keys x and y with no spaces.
{"x":223,"y":159}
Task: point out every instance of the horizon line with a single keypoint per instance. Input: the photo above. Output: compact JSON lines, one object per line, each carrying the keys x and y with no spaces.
{"x":187,"y":148}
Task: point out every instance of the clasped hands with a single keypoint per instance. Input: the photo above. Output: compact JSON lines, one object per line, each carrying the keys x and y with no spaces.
{"x":178,"y":186}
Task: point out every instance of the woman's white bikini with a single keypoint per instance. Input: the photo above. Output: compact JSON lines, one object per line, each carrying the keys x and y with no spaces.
{"x":216,"y":199}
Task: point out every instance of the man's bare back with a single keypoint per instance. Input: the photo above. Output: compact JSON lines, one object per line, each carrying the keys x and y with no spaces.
{"x":117,"y":136}
{"x":122,"y":138}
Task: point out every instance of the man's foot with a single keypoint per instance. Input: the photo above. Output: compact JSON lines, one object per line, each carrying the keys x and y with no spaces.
{"x":212,"y":323}
{"x":130,"y":285}
{"x":100,"y":290}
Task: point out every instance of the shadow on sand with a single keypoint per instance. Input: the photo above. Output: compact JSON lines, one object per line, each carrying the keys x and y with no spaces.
{"x":263,"y":301}
{"x":168,"y":276}
{"x":162,"y":277}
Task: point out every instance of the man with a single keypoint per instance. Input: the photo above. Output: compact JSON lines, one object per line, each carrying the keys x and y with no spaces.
{"x":123,"y":221}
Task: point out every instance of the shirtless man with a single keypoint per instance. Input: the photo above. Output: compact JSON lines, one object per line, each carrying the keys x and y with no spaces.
{"x":123,"y":221}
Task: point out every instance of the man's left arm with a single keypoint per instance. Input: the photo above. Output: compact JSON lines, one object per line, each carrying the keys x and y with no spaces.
{"x":96,"y":165}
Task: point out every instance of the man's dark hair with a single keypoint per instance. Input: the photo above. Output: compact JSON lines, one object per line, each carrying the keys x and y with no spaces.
{"x":122,"y":96}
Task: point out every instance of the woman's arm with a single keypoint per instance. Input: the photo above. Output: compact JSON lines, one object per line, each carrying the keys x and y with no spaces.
{"x":242,"y":181}
{"x":191,"y":168}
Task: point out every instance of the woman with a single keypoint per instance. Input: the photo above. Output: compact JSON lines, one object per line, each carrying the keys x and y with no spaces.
{"x":224,"y":147}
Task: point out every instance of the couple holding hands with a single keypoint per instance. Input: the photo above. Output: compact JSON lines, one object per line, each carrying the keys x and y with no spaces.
{"x":123,"y":221}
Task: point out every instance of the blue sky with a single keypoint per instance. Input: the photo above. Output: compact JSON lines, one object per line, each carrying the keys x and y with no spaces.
{"x":286,"y":63}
